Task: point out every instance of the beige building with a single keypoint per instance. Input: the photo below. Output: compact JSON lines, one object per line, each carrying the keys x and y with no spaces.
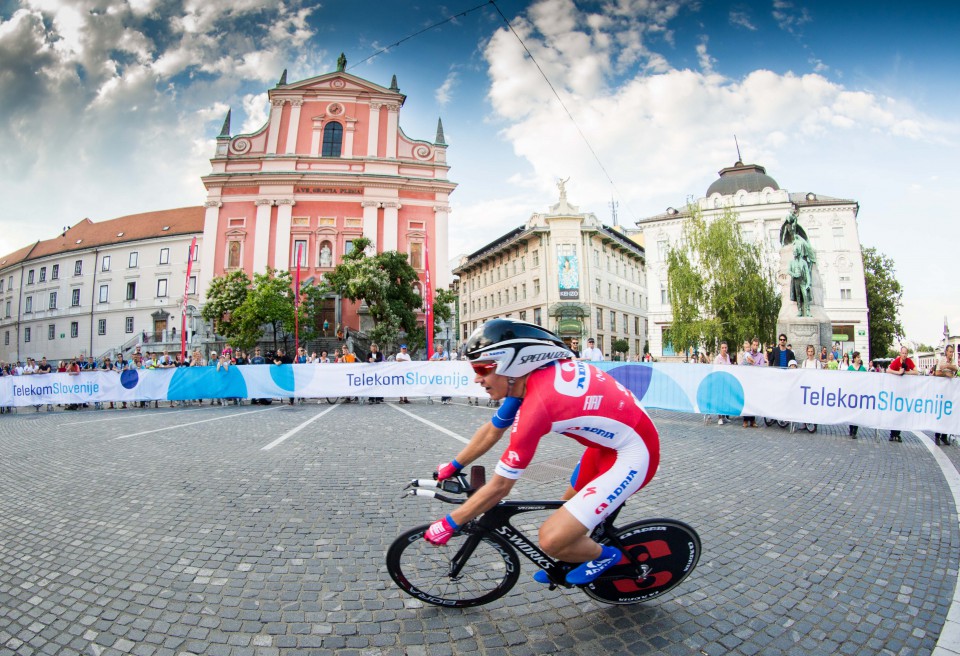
{"x":100,"y":286}
{"x":563,"y":270}
{"x":762,"y":207}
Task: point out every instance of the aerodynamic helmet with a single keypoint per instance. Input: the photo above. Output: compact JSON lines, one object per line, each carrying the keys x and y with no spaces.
{"x":517,"y":347}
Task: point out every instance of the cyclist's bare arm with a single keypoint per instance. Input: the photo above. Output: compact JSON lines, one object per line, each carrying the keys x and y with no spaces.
{"x":481,"y":442}
{"x":483,"y":499}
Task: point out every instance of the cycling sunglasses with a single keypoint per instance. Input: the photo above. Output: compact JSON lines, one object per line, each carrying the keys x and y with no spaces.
{"x":483,"y":368}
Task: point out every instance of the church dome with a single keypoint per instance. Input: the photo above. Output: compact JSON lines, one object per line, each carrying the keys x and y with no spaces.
{"x":748,"y":177}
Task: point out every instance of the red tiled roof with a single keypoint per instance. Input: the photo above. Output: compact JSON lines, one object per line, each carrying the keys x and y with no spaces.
{"x":135,"y":227}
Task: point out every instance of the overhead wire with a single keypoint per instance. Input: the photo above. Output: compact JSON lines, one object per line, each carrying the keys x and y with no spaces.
{"x":535,"y":62}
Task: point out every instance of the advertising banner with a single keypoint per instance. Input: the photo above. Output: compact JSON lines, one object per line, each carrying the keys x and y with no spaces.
{"x":801,"y":395}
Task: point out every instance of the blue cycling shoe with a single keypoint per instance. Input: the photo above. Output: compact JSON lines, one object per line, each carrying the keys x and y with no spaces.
{"x":541,"y":577}
{"x":589,"y":571}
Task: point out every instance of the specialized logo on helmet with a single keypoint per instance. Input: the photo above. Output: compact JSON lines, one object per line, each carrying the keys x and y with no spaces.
{"x":537,"y":357}
{"x":492,"y":355}
{"x":572,"y":378}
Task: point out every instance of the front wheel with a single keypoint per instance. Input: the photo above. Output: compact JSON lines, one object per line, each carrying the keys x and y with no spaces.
{"x":472,"y":569}
{"x":332,"y":400}
{"x":667,"y":551}
{"x":811,"y":428}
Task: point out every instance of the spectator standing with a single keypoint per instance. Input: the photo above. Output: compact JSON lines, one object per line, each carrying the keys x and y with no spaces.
{"x":438,"y":355}
{"x":575,"y":347}
{"x":823,"y":356}
{"x":832,"y":363}
{"x":782,"y":355}
{"x":45,"y":368}
{"x":323,"y":358}
{"x":946,"y":368}
{"x":257,"y":357}
{"x":901,"y":366}
{"x":812,"y":362}
{"x":856,"y":365}
{"x":403,"y":356}
{"x":281,"y":357}
{"x":592,"y":353}
{"x":753,"y":358}
{"x":723,"y":358}
{"x":375,"y":357}
{"x":844,"y":363}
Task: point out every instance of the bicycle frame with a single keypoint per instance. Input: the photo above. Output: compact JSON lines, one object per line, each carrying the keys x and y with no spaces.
{"x":497,"y":521}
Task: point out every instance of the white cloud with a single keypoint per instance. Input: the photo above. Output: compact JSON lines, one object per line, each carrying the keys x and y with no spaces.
{"x":706,"y":61}
{"x":742,"y":19}
{"x":788,"y":17}
{"x":445,"y":90}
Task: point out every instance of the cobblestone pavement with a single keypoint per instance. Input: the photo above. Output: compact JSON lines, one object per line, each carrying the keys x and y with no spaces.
{"x":171,"y":532}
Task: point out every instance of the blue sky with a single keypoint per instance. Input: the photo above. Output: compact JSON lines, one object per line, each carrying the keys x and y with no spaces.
{"x":111,"y":107}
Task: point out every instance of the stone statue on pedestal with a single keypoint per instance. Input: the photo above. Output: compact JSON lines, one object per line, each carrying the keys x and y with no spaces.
{"x":802,"y":285}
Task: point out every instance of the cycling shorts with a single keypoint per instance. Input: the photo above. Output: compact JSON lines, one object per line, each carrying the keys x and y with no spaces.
{"x":623,"y":473}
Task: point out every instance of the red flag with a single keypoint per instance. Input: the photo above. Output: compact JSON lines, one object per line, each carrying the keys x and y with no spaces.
{"x":183,"y":309}
{"x":296,"y":303}
{"x":428,"y":300}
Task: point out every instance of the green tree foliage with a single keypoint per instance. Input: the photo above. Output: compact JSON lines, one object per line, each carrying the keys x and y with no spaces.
{"x":620,"y":346}
{"x":884,"y":300}
{"x":271,"y":302}
{"x":225,"y":295}
{"x":386,"y":283}
{"x":719,"y":286}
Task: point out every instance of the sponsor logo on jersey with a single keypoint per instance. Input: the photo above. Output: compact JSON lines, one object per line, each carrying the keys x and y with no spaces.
{"x":594,"y":431}
{"x":592,"y":402}
{"x":589,"y":490}
{"x":571,"y":378}
{"x":492,"y":355}
{"x":624,"y":484}
{"x":513,"y":457}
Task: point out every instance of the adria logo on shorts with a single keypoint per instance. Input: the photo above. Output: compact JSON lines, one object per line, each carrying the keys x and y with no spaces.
{"x":513,"y":457}
{"x":624,"y":484}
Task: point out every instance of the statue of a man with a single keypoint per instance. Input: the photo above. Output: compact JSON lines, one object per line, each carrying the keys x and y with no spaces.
{"x":341,"y":63}
{"x":325,"y":259}
{"x":801,"y":280}
{"x":562,"y":186}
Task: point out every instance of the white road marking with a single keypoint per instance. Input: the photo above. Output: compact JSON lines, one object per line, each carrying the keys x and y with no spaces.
{"x":431,"y":424}
{"x":191,"y":423}
{"x":948,"y":644}
{"x":137,"y":415}
{"x":294,"y":431}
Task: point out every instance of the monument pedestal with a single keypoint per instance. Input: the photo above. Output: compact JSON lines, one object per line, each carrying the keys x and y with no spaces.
{"x":816,"y":329}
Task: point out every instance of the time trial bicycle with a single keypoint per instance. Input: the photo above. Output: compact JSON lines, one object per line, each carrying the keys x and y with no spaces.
{"x":480,"y":563}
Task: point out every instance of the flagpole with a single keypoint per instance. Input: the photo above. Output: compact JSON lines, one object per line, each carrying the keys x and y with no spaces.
{"x":428,"y":299}
{"x":296,"y":304}
{"x":183,"y":308}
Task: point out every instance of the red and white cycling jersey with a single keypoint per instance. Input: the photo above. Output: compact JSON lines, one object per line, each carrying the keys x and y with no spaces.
{"x":578,"y":400}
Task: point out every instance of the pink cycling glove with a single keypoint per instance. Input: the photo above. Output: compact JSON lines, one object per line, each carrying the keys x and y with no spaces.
{"x":440,"y":531}
{"x":448,"y":470}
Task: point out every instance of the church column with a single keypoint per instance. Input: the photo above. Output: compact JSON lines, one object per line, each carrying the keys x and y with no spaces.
{"x":208,"y":253}
{"x":393,"y":119}
{"x":276,"y":110}
{"x":281,"y":253}
{"x":373,"y":136}
{"x":391,"y":216}
{"x":261,"y":238}
{"x":440,"y":245}
{"x":370,"y":219}
{"x":349,"y":132}
{"x":294,"y":128}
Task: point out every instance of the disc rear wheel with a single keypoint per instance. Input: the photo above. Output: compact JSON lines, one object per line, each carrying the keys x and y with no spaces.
{"x":667,"y":551}
{"x":470,"y":570}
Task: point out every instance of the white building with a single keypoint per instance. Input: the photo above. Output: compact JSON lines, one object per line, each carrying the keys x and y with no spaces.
{"x":563,"y":270}
{"x":100,"y":287}
{"x":762,"y":206}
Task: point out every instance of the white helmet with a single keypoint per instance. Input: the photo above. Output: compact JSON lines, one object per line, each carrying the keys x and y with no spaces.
{"x":517,"y":347}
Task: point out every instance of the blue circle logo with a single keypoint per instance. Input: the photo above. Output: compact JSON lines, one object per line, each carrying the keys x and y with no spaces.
{"x":720,"y":393}
{"x":129,"y":378}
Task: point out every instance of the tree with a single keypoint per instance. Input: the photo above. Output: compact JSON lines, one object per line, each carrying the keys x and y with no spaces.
{"x":884,"y":300}
{"x":719,"y":286}
{"x":620,"y":346}
{"x":385,"y":282}
{"x":271,"y":302}
{"x":225,"y":295}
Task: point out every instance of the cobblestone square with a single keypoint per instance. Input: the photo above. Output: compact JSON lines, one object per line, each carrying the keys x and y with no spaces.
{"x":252,"y":531}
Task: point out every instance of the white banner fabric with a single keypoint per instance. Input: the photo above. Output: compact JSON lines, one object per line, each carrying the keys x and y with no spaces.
{"x":802,"y":395}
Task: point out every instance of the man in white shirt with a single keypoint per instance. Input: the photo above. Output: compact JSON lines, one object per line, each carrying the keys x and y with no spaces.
{"x":592,"y":352}
{"x":403,"y":356}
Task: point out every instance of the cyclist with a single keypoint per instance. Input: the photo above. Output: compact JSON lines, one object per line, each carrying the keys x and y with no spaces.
{"x":545,"y":390}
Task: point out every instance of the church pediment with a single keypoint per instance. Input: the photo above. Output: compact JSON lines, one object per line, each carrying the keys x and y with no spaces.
{"x":339,"y":82}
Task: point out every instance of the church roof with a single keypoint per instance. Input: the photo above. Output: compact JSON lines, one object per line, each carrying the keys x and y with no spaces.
{"x":748,"y":177}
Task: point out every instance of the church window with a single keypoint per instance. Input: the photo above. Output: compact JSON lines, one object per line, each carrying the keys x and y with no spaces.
{"x":332,"y":140}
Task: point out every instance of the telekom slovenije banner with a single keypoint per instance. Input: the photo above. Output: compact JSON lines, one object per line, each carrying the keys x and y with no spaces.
{"x":803,"y":395}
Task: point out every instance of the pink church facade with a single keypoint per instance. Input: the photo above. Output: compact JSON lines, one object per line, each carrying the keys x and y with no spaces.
{"x":331,"y":165}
